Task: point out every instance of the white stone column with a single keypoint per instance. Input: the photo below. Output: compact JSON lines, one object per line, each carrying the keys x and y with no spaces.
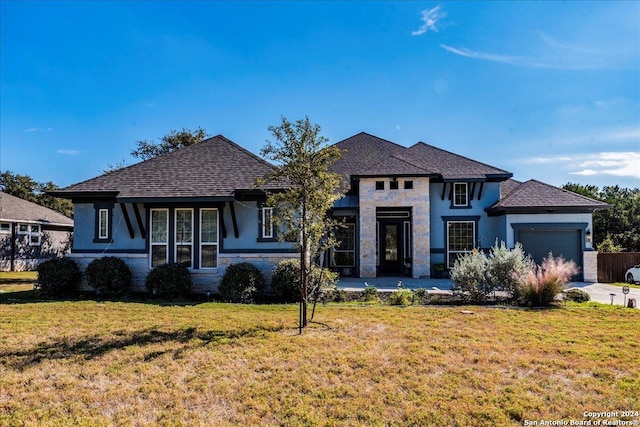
{"x":590,"y":267}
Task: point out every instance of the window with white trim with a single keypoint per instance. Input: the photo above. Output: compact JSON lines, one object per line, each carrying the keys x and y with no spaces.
{"x":460,"y":239}
{"x":184,"y":236}
{"x":103,"y":223}
{"x":208,"y":238}
{"x":32,"y":231}
{"x":159,"y":237}
{"x":267,"y":223}
{"x":343,"y":255}
{"x":460,"y":194}
{"x":5,"y":228}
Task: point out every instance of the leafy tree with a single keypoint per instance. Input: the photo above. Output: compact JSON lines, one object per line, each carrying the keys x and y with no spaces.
{"x":172,"y":141}
{"x":302,"y":161}
{"x":620,"y":223}
{"x":25,"y":187}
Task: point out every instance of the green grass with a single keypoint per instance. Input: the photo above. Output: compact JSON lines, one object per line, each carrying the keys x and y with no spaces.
{"x":93,"y":363}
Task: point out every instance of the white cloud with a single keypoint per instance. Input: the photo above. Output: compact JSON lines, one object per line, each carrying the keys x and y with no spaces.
{"x":32,"y":130}
{"x":548,"y":53}
{"x":68,"y":152}
{"x":620,"y":164}
{"x":431,"y":18}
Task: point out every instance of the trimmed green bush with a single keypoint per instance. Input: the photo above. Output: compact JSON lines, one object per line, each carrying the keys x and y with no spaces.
{"x":109,"y":276}
{"x":401,"y":297}
{"x":169,"y":281}
{"x":285,"y":282}
{"x":577,"y":295}
{"x":241,"y":283}
{"x":420,"y":296}
{"x":370,"y":294}
{"x":58,"y":276}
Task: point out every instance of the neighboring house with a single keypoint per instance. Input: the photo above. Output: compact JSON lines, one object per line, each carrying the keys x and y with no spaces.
{"x":30,"y":234}
{"x":406,"y":210}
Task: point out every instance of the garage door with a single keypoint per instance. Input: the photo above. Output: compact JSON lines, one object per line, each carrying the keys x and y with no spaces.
{"x":565,"y":243}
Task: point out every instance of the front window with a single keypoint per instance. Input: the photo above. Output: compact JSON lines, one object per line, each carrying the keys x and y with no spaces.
{"x":184,"y":236}
{"x":460,"y":239}
{"x":460,"y":194}
{"x":267,"y":223}
{"x":343,"y":255}
{"x":5,"y":228}
{"x":209,"y":238}
{"x":159,"y":236}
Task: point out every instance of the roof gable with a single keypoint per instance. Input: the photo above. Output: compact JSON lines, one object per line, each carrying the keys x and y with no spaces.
{"x":368,"y":155}
{"x":453,"y":166}
{"x":534,"y":195}
{"x":216,"y":167}
{"x":15,"y":209}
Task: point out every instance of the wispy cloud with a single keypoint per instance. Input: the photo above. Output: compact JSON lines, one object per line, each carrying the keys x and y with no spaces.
{"x":431,"y":18}
{"x":68,"y":152}
{"x":620,"y":164}
{"x":548,"y":53}
{"x":34,"y":129}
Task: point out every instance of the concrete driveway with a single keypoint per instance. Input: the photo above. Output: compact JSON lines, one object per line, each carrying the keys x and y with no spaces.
{"x":599,"y":292}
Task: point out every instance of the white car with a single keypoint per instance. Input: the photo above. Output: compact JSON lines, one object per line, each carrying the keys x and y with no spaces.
{"x":633,"y":274}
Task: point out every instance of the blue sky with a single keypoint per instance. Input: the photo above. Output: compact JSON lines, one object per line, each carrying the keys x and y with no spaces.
{"x":546,"y":90}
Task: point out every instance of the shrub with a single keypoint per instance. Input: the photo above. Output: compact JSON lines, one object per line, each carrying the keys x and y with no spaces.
{"x":370,"y":294}
{"x":468,"y":273}
{"x":169,"y":281}
{"x":58,"y":276}
{"x":285,"y":282}
{"x":339,"y":295}
{"x":506,"y":267}
{"x":241,"y":283}
{"x":542,"y":284}
{"x":420,"y":296}
{"x":109,"y":276}
{"x":401,"y":297}
{"x":577,"y":295}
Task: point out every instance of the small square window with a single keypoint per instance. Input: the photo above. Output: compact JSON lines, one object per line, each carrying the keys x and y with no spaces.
{"x":393,"y":185}
{"x":408,"y":185}
{"x":23,"y":229}
{"x":379,"y":185}
{"x":5,"y":228}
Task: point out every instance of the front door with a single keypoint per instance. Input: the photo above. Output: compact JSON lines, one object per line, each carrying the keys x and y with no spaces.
{"x":390,"y":248}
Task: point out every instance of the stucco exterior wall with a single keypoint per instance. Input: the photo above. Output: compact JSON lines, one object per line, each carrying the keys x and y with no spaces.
{"x":417,"y":199}
{"x":53,"y":244}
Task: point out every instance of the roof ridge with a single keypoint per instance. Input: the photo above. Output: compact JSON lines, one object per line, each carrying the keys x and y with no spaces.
{"x":459,"y":155}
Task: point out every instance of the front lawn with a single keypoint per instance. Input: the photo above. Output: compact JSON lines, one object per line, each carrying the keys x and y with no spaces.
{"x":93,"y":363}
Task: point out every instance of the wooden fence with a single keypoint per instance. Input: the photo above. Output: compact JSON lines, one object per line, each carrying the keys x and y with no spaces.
{"x":612,"y":266}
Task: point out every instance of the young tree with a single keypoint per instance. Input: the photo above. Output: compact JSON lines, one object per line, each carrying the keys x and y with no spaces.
{"x":302,"y":161}
{"x":172,"y":141}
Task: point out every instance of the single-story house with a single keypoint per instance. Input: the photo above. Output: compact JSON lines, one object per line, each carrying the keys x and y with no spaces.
{"x":30,"y":234}
{"x":407,"y":208}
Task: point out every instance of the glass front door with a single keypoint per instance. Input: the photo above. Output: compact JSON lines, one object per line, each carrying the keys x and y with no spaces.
{"x":390,"y":250}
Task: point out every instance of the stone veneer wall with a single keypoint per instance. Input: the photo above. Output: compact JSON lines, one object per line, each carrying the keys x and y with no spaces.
{"x":590,"y":267}
{"x":203,"y":280}
{"x":417,"y":199}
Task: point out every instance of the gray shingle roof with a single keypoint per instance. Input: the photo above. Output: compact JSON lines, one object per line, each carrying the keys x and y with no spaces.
{"x":15,"y":209}
{"x":534,"y":195}
{"x":368,"y":155}
{"x":215,"y":167}
{"x":453,"y":166}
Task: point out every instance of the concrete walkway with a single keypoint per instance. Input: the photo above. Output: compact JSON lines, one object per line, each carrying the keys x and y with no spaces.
{"x":599,"y":292}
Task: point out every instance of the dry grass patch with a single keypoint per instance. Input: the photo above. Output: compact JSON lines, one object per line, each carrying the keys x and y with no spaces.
{"x":89,"y":363}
